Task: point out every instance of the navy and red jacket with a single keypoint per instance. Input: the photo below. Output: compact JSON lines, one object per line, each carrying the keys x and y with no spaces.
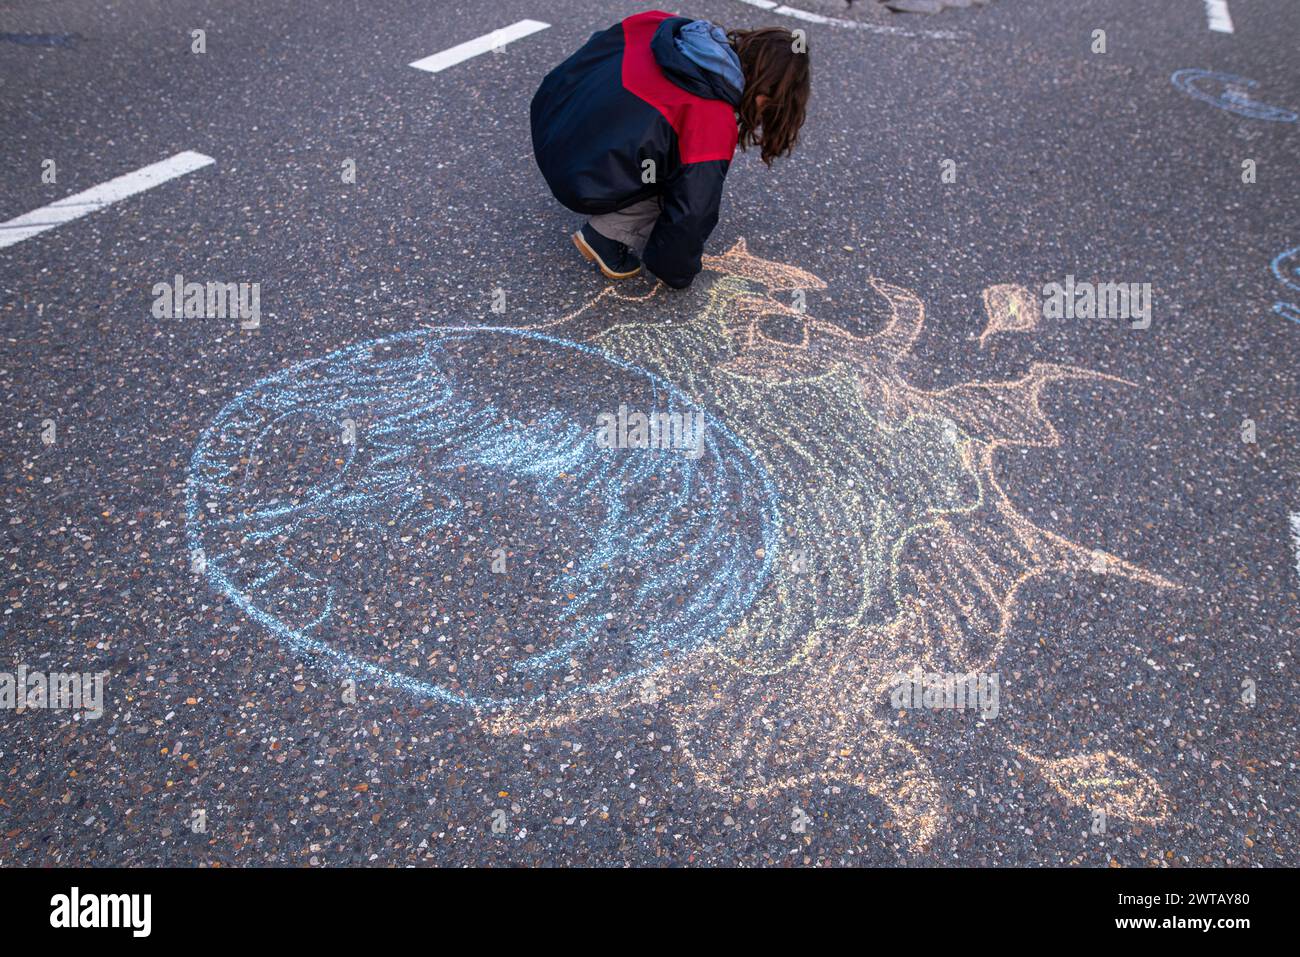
{"x":627,"y":96}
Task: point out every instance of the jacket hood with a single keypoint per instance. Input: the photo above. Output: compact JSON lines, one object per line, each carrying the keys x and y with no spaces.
{"x":694,"y":54}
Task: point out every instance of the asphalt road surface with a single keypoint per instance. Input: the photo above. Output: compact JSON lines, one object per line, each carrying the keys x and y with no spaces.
{"x":362,"y":587}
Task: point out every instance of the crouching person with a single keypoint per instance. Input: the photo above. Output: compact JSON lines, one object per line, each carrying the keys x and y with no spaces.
{"x":637,"y":129}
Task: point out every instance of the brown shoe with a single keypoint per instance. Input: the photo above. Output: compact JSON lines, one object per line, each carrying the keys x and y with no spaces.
{"x":615,"y":260}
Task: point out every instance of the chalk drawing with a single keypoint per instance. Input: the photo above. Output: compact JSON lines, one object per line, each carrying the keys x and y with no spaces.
{"x":1228,"y":92}
{"x":431,"y":436}
{"x":1010,"y":308}
{"x":774,"y":673}
{"x":1287,"y":310}
{"x":1286,"y":267}
{"x":1112,"y":782}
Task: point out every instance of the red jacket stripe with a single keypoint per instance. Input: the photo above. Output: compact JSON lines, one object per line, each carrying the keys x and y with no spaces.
{"x":706,"y":129}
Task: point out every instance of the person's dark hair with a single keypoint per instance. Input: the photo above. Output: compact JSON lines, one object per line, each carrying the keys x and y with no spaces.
{"x":773,"y":69}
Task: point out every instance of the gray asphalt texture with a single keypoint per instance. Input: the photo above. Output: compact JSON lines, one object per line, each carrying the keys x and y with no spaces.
{"x":1066,"y":162}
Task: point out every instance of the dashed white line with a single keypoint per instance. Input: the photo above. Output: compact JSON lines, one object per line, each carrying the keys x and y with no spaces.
{"x":809,"y":17}
{"x":472,"y":48}
{"x":97,"y":197}
{"x":1295,"y":536}
{"x":1216,"y":12}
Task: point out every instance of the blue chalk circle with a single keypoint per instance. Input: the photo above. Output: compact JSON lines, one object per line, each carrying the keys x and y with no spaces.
{"x":352,"y":506}
{"x":1286,"y":267}
{"x":1228,"y":92}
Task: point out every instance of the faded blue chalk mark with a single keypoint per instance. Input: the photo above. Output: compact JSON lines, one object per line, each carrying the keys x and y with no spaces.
{"x":1287,"y":310}
{"x":1286,"y":267}
{"x":1228,"y":92}
{"x":40,"y":39}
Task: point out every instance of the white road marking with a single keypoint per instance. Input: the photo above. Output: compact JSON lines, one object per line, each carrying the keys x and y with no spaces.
{"x":1216,"y":11}
{"x":97,"y":197}
{"x":809,"y":17}
{"x":472,"y":48}
{"x":1295,"y":536}
{"x":802,"y":14}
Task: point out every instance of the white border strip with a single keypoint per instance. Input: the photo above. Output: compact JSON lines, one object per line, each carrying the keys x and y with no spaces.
{"x":97,"y":197}
{"x":472,"y":48}
{"x":1216,"y":12}
{"x":1295,"y":537}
